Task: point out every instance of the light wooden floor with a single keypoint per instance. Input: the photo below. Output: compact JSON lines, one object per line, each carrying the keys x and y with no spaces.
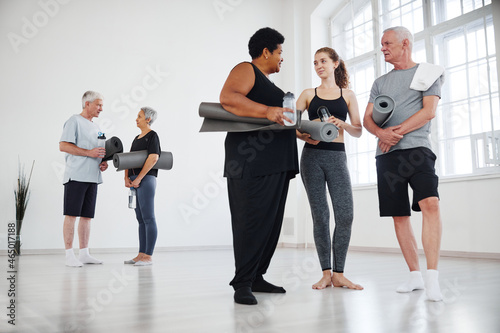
{"x":188,"y":291}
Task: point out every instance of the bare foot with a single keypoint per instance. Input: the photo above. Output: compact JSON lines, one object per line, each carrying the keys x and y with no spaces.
{"x":326,"y":281}
{"x":339,"y":280}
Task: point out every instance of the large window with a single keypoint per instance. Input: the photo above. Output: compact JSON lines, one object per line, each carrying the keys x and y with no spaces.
{"x":457,"y":34}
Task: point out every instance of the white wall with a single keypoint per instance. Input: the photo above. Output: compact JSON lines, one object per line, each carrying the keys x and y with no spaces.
{"x":113,"y":47}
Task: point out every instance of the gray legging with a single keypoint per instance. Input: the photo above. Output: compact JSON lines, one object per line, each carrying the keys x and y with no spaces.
{"x":318,"y":167}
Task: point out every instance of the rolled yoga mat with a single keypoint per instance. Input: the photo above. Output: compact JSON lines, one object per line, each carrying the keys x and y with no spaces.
{"x":112,"y":146}
{"x":383,"y":107}
{"x":320,"y":131}
{"x":136,"y":159}
{"x":217,"y":119}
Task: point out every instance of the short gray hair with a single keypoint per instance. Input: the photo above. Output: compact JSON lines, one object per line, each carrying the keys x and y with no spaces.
{"x":149,"y":113}
{"x":402,"y":33}
{"x":90,"y":96}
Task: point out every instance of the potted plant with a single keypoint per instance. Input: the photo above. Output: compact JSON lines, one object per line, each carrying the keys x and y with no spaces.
{"x":22,"y":196}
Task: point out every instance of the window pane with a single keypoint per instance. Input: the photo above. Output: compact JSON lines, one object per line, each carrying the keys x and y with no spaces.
{"x":495,"y":104}
{"x":493,"y":74}
{"x":478,"y":78}
{"x":443,"y":159}
{"x":408,"y":13}
{"x":480,"y":153}
{"x":455,"y":49}
{"x":458,"y":120}
{"x":363,"y":39}
{"x":457,"y":83}
{"x":476,"y":44}
{"x":480,"y":115}
{"x":443,"y":10}
{"x":352,"y":29}
{"x":446,"y":10}
{"x":462,"y":156}
{"x":491,"y":40}
{"x":419,"y":51}
{"x":360,"y":150}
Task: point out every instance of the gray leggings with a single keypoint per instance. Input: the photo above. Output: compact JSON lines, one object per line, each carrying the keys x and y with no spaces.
{"x":318,"y":167}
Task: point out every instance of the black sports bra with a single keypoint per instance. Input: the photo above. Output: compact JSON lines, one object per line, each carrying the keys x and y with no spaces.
{"x":337,"y":107}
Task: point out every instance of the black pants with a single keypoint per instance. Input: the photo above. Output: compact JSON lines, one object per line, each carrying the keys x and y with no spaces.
{"x":257,"y":206}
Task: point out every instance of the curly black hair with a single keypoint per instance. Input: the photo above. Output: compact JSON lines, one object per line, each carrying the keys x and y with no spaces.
{"x":264,"y":38}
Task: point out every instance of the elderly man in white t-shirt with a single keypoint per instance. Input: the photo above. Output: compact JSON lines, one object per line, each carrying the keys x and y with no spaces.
{"x":82,"y":175}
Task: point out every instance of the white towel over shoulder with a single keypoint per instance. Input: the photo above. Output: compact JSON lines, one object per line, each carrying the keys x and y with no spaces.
{"x":425,"y":76}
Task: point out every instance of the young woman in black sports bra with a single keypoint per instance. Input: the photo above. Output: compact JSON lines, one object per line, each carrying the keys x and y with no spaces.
{"x":326,"y":162}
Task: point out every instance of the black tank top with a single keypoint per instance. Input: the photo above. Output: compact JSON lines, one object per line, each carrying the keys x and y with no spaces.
{"x":337,"y":108}
{"x":259,"y":153}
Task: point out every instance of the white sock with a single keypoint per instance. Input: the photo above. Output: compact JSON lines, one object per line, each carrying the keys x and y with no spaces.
{"x":414,"y":282}
{"x":86,"y":258}
{"x":432,"y":286}
{"x":71,"y":259}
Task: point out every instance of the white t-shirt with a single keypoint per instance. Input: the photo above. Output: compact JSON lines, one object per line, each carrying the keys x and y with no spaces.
{"x":83,"y":133}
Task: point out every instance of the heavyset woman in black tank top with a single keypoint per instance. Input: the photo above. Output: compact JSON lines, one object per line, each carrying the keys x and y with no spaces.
{"x":258,"y":165}
{"x":326,"y":162}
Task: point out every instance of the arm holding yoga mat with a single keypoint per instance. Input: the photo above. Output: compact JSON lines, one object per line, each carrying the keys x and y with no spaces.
{"x":148,"y":140}
{"x":388,"y":136}
{"x":233,"y":96}
{"x":303,"y":104}
{"x":148,"y":165}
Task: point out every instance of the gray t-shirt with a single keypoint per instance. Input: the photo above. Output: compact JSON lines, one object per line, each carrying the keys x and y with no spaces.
{"x":396,"y":84}
{"x":83,"y":133}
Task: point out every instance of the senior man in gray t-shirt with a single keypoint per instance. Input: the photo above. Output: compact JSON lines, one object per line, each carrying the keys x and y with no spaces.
{"x":404,"y":157}
{"x":82,"y":174}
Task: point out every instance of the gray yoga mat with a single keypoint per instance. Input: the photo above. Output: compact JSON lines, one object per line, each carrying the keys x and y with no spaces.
{"x":320,"y":131}
{"x":112,"y":146}
{"x":136,"y":159}
{"x":217,"y":119}
{"x":383,"y":107}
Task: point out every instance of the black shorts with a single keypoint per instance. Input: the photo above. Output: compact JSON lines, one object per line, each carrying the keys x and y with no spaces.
{"x":80,"y":199}
{"x":398,"y":169}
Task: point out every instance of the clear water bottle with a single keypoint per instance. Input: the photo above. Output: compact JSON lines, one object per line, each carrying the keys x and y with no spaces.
{"x":101,"y":140}
{"x":289,"y":102}
{"x":323,"y":113}
{"x":132,"y":198}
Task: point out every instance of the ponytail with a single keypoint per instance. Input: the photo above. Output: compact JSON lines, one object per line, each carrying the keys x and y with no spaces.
{"x":341,"y":75}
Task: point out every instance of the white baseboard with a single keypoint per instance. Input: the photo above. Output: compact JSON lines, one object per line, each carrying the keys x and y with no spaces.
{"x":455,"y":254}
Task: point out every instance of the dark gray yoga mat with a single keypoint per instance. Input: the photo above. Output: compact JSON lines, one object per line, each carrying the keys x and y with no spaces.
{"x":112,"y":146}
{"x":383,"y":107}
{"x":136,"y":159}
{"x":217,"y":119}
